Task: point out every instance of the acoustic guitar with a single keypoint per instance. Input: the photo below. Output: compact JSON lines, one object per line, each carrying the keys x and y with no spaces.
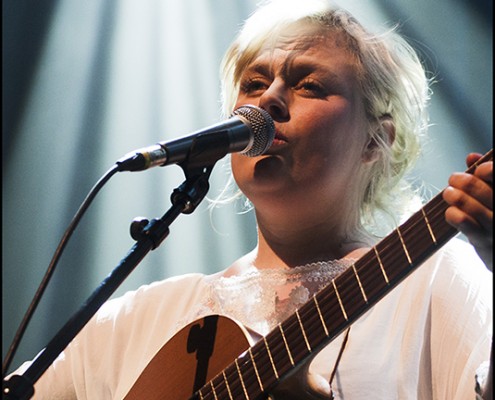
{"x":192,"y":366}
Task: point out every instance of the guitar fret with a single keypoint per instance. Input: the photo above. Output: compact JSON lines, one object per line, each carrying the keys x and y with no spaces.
{"x":359,"y":282}
{"x":340,"y":301}
{"x":393,"y":260}
{"x":404,"y":247}
{"x":429,"y":226}
{"x":271,"y":359}
{"x":371,"y":278}
{"x":201,"y":395}
{"x":213,"y":390}
{"x":435,"y":209}
{"x":381,"y":265}
{"x":286,"y":345}
{"x":242,"y":380}
{"x":256,"y":370}
{"x":227,"y":384}
{"x":303,"y":331}
{"x":416,"y":235}
{"x":321,"y":316}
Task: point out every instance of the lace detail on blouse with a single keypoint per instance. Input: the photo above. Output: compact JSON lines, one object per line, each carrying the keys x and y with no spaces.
{"x":260,"y":299}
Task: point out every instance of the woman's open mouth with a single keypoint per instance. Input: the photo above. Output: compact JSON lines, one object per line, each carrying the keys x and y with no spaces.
{"x":279,"y":140}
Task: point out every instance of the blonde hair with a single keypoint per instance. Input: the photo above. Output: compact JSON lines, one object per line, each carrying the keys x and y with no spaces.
{"x":393,"y":82}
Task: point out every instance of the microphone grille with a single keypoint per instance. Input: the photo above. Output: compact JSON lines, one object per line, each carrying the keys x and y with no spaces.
{"x":262,"y":126}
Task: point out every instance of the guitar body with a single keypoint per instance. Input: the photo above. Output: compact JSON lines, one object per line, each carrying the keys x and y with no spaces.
{"x":192,"y":357}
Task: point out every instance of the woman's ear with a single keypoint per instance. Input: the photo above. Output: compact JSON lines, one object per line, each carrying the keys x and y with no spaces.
{"x":385,"y":133}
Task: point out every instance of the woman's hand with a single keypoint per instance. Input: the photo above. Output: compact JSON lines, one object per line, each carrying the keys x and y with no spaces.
{"x":470,"y":198}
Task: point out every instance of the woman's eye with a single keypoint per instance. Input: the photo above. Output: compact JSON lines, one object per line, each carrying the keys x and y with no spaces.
{"x":252,"y":86}
{"x":311,"y":87}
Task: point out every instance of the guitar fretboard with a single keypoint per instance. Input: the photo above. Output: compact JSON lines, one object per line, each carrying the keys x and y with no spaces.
{"x":336,"y":307}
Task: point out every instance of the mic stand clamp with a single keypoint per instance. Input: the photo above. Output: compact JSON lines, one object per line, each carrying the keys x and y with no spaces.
{"x":149,"y":236}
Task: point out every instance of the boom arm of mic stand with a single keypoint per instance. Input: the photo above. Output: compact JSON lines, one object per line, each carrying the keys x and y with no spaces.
{"x":184,"y":200}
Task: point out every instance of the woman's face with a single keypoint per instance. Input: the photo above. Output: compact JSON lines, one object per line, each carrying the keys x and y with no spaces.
{"x":311,"y":90}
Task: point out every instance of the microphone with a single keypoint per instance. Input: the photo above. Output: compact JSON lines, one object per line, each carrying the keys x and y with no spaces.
{"x":250,"y":130}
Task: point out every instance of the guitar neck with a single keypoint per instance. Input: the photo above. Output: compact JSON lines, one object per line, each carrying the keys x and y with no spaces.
{"x":337,"y":306}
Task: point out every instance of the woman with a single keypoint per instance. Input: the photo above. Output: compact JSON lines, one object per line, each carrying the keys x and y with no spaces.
{"x":349,"y":110}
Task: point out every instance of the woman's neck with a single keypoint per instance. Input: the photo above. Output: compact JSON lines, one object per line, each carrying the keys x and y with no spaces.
{"x":303,"y":246}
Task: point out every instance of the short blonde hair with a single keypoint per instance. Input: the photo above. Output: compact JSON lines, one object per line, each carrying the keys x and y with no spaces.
{"x":392,"y":79}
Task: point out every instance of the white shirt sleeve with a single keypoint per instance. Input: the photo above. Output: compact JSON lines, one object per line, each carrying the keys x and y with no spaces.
{"x":111,"y":351}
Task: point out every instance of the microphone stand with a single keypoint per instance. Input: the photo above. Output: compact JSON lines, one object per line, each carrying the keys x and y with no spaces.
{"x":149,"y":235}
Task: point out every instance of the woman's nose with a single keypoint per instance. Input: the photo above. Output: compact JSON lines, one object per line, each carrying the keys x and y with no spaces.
{"x":275,"y":101}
